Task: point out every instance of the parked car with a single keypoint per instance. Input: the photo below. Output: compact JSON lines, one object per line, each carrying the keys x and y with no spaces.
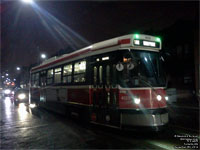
{"x":21,"y":96}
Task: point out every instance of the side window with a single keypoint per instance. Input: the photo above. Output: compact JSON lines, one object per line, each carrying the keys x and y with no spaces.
{"x":80,"y":71}
{"x":50,"y":76}
{"x":32,"y":79}
{"x":36,"y":82}
{"x":67,"y":73}
{"x":100,"y":74}
{"x":114,"y":75}
{"x":108,"y":75}
{"x":43,"y":78}
{"x":95,"y":75}
{"x":57,"y":75}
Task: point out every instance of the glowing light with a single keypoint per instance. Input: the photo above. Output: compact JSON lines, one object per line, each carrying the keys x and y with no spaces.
{"x":32,"y":105}
{"x":7,"y":91}
{"x":145,"y":59}
{"x":43,"y":56}
{"x":22,"y":96}
{"x":137,"y":42}
{"x":18,"y":68}
{"x":105,"y":58}
{"x":147,"y":43}
{"x":137,"y":100}
{"x":166,"y":98}
{"x":159,"y":97}
{"x":158,"y":39}
{"x":8,"y":107}
{"x":23,"y":114}
{"x":136,"y":36}
{"x":27,"y":1}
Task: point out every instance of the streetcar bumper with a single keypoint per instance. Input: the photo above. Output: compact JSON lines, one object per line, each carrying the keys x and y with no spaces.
{"x":155,"y":119}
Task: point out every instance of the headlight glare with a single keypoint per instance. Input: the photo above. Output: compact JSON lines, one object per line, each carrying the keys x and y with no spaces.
{"x":159,"y":97}
{"x":32,"y":105}
{"x":7,"y":91}
{"x":137,"y":100}
{"x":166,"y":98}
{"x":22,"y":96}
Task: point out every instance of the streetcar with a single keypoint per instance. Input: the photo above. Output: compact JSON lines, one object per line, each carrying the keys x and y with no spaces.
{"x":118,"y":83}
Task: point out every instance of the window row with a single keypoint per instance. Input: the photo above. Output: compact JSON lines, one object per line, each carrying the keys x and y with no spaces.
{"x":64,"y":74}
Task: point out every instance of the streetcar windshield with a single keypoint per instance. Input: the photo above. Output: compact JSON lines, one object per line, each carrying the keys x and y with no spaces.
{"x":142,"y":69}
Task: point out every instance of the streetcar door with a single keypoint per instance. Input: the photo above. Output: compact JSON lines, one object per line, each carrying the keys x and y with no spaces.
{"x":98,"y":96}
{"x":104,"y":110}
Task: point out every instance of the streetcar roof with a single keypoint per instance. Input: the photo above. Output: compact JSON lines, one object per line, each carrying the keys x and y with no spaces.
{"x":118,"y":43}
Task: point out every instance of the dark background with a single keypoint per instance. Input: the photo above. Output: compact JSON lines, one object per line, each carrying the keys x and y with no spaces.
{"x":27,"y":32}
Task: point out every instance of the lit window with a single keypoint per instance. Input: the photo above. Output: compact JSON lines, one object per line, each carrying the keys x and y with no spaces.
{"x":79,"y":71}
{"x":137,"y":42}
{"x":50,"y":73}
{"x":95,"y":75}
{"x":100,"y":74}
{"x":50,"y":76}
{"x":67,"y":70}
{"x":107,"y":74}
{"x":57,"y":76}
{"x":105,"y":58}
{"x":80,"y":67}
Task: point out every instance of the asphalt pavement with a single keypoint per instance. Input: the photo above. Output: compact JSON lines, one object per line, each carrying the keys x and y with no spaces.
{"x":25,"y":128}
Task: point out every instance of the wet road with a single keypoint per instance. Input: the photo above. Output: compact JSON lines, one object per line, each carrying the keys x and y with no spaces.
{"x":25,"y":128}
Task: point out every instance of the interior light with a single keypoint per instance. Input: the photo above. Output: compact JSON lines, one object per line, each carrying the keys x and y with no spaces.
{"x":137,"y":42}
{"x":105,"y":58}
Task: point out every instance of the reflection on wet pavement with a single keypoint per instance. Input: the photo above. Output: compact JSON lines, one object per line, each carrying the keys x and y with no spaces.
{"x":22,"y":127}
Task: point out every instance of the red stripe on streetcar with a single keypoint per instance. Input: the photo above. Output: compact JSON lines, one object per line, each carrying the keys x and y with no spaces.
{"x":62,"y":59}
{"x":123,"y":41}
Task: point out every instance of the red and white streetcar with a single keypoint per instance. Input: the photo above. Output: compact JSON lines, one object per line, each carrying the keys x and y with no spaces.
{"x":117,"y":82}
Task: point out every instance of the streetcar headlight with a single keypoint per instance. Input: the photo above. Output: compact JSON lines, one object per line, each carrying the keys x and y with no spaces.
{"x":166,"y":98}
{"x":159,"y":97}
{"x":22,"y":96}
{"x":136,"y":100}
{"x":7,"y":91}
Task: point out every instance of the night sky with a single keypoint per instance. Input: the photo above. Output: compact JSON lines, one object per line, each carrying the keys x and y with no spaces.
{"x":26,"y":32}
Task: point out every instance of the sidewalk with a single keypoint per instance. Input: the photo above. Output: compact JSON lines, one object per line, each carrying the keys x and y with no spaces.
{"x":184,"y":113}
{"x":185,"y":103}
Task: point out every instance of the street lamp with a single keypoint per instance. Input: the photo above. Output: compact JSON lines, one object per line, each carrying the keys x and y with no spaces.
{"x":7,"y":74}
{"x":18,"y":68}
{"x":27,"y":1}
{"x":43,"y":56}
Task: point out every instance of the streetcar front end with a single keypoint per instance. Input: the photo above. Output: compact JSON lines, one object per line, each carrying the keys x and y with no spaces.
{"x":142,"y":96}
